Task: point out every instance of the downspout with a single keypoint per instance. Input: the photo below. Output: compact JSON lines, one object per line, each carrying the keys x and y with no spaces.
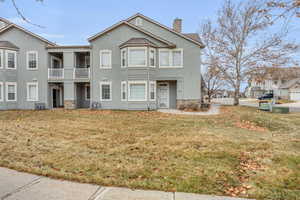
{"x":91,"y":78}
{"x":148,"y":77}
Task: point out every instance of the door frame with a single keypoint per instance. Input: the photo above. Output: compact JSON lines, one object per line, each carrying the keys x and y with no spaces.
{"x":59,"y":89}
{"x":168,"y":87}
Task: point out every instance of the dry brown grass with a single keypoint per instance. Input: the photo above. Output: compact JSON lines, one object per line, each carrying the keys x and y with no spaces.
{"x":152,"y":150}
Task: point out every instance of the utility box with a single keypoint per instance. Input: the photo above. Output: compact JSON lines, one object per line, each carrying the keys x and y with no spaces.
{"x":264,"y":106}
{"x":283,"y":110}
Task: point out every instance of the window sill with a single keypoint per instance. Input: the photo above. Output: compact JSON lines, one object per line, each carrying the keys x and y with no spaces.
{"x":106,"y":67}
{"x":170,"y":67}
{"x":30,"y":69}
{"x":105,"y":100}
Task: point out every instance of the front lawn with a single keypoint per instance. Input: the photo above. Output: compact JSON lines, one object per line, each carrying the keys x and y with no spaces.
{"x":242,"y":152}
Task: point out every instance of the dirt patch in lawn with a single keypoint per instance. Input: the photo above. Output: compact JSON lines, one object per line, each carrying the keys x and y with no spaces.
{"x":151,"y":150}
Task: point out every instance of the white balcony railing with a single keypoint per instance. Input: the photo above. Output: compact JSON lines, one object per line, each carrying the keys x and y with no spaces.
{"x":81,"y":73}
{"x":55,"y":73}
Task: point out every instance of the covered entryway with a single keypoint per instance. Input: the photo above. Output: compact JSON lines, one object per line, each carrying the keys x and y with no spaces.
{"x":56,"y":95}
{"x":166,"y":94}
{"x":163,"y":94}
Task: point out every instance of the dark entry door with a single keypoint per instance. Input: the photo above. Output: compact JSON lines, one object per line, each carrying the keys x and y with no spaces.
{"x":54,"y":98}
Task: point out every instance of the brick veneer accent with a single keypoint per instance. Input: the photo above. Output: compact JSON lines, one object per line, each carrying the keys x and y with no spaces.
{"x":188,"y":102}
{"x":69,"y":104}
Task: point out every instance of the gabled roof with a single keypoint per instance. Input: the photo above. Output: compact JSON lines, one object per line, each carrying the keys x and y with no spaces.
{"x":138,"y":42}
{"x":290,"y":83}
{"x":169,"y":44}
{"x":185,"y":36}
{"x":8,"y":45}
{"x":194,"y":36}
{"x":12,"y":25}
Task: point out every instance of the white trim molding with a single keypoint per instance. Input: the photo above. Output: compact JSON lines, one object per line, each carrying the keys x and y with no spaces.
{"x":137,"y":82}
{"x":15,"y":92}
{"x":110,"y":90}
{"x":171,"y":64}
{"x":37,"y":91}
{"x":37,"y":59}
{"x":1,"y":91}
{"x":15,"y":59}
{"x":110,"y":59}
{"x":124,"y":90}
{"x":1,"y":59}
{"x":137,"y":48}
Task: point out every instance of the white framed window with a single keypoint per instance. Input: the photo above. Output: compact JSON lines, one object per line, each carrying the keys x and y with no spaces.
{"x":124,"y":58}
{"x":105,"y":59}
{"x":32,"y":91}
{"x":123,"y":91}
{"x":105,"y":91}
{"x":11,"y":59}
{"x":1,"y":92}
{"x":152,"y":57}
{"x":11,"y":91}
{"x":137,"y":56}
{"x":1,"y":59}
{"x":152,"y":91}
{"x":139,"y":21}
{"x":87,"y":92}
{"x":137,"y":90}
{"x":32,"y":60}
{"x":171,"y":58}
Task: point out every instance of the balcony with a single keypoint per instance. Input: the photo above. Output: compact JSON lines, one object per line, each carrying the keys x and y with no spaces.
{"x":81,"y":73}
{"x":55,"y":74}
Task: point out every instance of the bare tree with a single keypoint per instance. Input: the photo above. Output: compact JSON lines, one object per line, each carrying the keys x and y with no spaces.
{"x":211,"y":75}
{"x":20,"y":13}
{"x":283,"y":8}
{"x":244,"y":42}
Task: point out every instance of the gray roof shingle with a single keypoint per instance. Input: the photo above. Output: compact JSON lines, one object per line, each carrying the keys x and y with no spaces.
{"x":138,"y":42}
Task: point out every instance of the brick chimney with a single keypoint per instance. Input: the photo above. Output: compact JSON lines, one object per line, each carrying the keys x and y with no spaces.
{"x":177,"y":25}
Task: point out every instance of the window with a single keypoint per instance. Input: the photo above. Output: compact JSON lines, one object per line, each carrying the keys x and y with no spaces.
{"x":152,"y":91}
{"x":123,"y":58}
{"x":152,"y":56}
{"x":164,"y":58}
{"x":138,"y":57}
{"x":87,"y":92}
{"x":1,"y":59}
{"x":170,"y":58}
{"x":123,"y":91}
{"x":32,"y":92}
{"x":11,"y":59}
{"x":137,"y":90}
{"x":105,"y":59}
{"x":32,"y":60}
{"x":139,"y":21}
{"x":105,"y":91}
{"x":1,"y":91}
{"x":11,"y":91}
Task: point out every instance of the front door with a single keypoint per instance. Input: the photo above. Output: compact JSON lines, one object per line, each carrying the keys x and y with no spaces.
{"x":163,"y":95}
{"x":56,"y":98}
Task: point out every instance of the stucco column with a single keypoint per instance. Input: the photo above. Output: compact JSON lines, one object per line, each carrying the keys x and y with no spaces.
{"x":69,"y":95}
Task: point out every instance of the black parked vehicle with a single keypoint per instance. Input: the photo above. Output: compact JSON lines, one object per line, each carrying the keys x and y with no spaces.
{"x":266,"y":96}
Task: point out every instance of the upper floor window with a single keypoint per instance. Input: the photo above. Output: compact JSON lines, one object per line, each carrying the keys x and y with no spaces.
{"x":139,"y":21}
{"x":105,"y":91}
{"x":32,"y":60}
{"x":1,"y":59}
{"x":170,"y":58}
{"x":152,"y":56}
{"x":137,"y":57}
{"x":11,"y":59}
{"x":11,"y":91}
{"x":32,"y":92}
{"x":123,"y":58}
{"x":105,"y":59}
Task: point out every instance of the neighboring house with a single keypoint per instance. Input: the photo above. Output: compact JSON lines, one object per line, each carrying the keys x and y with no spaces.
{"x":273,"y":80}
{"x":137,"y":63}
{"x":290,"y":90}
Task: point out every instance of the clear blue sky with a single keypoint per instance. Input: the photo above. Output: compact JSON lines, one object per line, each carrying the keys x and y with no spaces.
{"x":73,"y":21}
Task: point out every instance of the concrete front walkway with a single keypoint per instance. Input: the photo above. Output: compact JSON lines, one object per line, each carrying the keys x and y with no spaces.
{"x":214,"y":110}
{"x":22,"y":186}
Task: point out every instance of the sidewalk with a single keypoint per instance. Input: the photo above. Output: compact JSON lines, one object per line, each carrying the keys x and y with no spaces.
{"x":22,"y":186}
